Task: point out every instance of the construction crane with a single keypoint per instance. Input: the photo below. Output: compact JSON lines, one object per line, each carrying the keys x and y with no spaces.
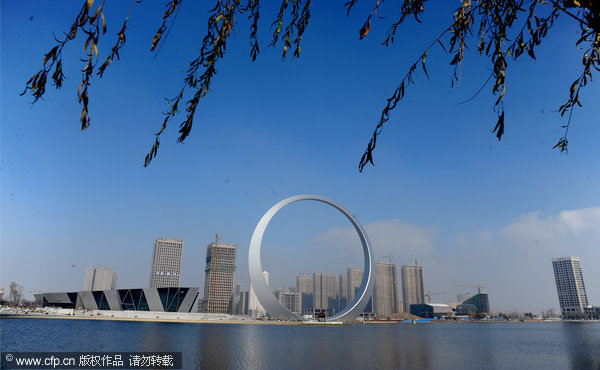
{"x":478,"y":286}
{"x":389,"y":256}
{"x":429,"y":294}
{"x":417,"y":258}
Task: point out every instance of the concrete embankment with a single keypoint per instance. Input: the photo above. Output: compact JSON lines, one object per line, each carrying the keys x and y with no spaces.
{"x":184,"y":317}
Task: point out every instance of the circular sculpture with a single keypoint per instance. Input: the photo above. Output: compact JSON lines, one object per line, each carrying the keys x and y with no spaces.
{"x":264,"y":294}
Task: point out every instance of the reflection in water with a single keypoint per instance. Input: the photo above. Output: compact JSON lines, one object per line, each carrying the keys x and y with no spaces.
{"x":370,"y":346}
{"x":159,"y":336}
{"x":470,"y":344}
{"x":250,"y":344}
{"x":216,"y":341}
{"x":400,"y":346}
{"x":584,"y":344}
{"x":364,"y":346}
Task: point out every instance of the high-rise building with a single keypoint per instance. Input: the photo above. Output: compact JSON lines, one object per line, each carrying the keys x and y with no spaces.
{"x":242,"y":306}
{"x":304,"y":286}
{"x":290,"y":300}
{"x":166,"y":263}
{"x":412,"y":286}
{"x":343,"y":291}
{"x":354,"y":279}
{"x":255,"y":309}
{"x":100,"y":278}
{"x":218,"y":278}
{"x":385,"y":294}
{"x":569,"y":285}
{"x":325,"y":293}
{"x":235,"y":299}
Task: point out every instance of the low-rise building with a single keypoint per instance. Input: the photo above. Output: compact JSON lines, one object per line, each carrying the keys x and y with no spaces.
{"x":431,"y":310}
{"x":290,"y":300}
{"x":166,"y":299}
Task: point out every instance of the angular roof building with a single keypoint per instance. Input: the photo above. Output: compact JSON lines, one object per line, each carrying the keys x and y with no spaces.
{"x":172,"y":299}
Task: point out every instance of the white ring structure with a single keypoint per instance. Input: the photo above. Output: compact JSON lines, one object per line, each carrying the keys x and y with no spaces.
{"x":262,"y":290}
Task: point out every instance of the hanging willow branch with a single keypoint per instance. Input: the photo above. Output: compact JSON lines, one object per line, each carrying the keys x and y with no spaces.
{"x":119,"y":44}
{"x":502,"y":30}
{"x":496,"y":22}
{"x":201,"y":71}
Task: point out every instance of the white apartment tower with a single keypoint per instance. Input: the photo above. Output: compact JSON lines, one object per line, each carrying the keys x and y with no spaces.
{"x":569,"y":285}
{"x":166,"y":263}
{"x":100,"y":278}
{"x":255,"y":309}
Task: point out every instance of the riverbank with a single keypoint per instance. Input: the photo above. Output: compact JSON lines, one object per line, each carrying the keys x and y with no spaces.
{"x":190,"y":317}
{"x":178,"y":317}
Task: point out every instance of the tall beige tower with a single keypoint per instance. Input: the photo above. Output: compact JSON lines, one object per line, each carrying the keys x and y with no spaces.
{"x":385,"y":295}
{"x":325,"y":291}
{"x":304,"y":286}
{"x":343,"y":301}
{"x":166,"y":263}
{"x":354,"y":279}
{"x":412,"y":286}
{"x":218,"y":281}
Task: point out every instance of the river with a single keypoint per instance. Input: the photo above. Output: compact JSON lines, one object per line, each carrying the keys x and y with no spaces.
{"x":505,"y":345}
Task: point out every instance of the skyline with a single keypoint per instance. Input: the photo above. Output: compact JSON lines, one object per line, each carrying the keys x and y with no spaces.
{"x":400,"y":290}
{"x":493,"y":213}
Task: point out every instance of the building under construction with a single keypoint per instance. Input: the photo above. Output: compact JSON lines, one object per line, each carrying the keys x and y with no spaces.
{"x":412,"y":286}
{"x":385,"y":294}
{"x":218,"y":282}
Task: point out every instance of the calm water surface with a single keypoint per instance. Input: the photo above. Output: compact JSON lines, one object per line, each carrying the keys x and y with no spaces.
{"x":373,"y":346}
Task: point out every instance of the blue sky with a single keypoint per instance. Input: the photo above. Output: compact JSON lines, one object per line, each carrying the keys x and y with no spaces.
{"x":490,"y":212}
